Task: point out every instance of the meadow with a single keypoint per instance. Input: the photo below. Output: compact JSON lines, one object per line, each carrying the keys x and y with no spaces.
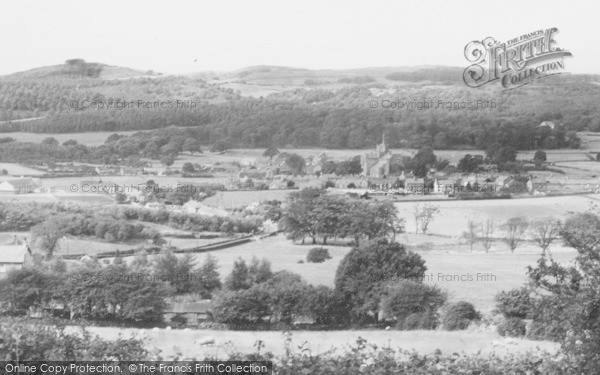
{"x":172,"y":342}
{"x":454,"y":215}
{"x":475,"y":277}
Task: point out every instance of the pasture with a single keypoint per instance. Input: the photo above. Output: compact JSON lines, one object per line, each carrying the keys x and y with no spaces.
{"x":475,"y":277}
{"x":171,"y":342}
{"x":454,"y":214}
{"x":15,"y":169}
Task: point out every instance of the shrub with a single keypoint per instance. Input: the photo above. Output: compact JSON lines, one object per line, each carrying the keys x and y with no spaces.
{"x":40,"y":342}
{"x":179,"y":319}
{"x":408,"y":298}
{"x":317,"y":255}
{"x":459,"y":315}
{"x":241,"y":306}
{"x":515,"y":303}
{"x":513,"y":327}
{"x":325,"y":306}
{"x":419,"y":321}
{"x":281,"y":298}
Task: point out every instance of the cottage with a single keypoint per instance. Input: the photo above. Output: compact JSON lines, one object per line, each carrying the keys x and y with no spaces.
{"x":414,"y":185}
{"x":18,"y":186}
{"x":444,"y":186}
{"x":503,"y":181}
{"x":278,"y":185}
{"x":191,"y":312}
{"x":14,"y":257}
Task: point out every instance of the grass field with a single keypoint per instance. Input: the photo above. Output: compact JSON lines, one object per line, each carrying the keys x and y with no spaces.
{"x":454,"y":215}
{"x":170,"y":342}
{"x":90,"y":246}
{"x":14,"y":169}
{"x":228,"y":199}
{"x":474,"y":277}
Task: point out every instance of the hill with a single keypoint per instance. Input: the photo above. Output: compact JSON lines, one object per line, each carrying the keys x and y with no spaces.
{"x":270,"y":105}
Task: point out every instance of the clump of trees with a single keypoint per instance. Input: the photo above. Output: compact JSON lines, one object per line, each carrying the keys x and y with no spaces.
{"x":315,"y":214}
{"x":364,"y":272}
{"x":254,"y":294}
{"x":371,"y":278}
{"x":93,"y":292}
{"x":412,"y":304}
{"x":562,"y":299}
{"x":351,"y":166}
{"x":133,"y":294}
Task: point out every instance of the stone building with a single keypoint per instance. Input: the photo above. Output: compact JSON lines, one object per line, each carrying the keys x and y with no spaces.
{"x":377,"y":164}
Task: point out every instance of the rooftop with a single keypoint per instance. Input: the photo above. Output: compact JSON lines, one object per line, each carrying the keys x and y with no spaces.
{"x":13,"y":254}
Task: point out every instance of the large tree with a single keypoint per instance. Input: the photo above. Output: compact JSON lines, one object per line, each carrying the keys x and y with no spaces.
{"x":570,"y":296}
{"x":363,"y":272}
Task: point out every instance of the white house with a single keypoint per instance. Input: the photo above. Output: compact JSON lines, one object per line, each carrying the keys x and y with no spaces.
{"x":18,"y":186}
{"x":13,"y":257}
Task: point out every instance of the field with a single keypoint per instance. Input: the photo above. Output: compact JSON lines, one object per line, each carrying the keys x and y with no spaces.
{"x":228,"y":199}
{"x":171,"y":342}
{"x":474,"y":277}
{"x":454,"y":215}
{"x":18,"y":169}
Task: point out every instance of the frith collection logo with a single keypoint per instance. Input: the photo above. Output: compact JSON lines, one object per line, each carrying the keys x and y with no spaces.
{"x":516,"y":62}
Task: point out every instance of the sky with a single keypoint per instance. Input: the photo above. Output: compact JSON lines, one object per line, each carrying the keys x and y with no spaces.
{"x":222,"y":35}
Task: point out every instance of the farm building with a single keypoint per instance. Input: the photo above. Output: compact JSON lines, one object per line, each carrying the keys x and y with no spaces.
{"x":14,"y":257}
{"x":18,"y":186}
{"x":192,"y":312}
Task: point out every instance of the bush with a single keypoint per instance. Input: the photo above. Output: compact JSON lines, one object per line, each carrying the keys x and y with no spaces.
{"x":515,"y":303}
{"x":459,"y":315}
{"x":317,"y":255}
{"x":42,"y":342}
{"x":179,"y":319}
{"x":513,"y":327}
{"x":241,"y":307}
{"x":280,"y":298}
{"x":418,"y":321}
{"x":408,"y":298}
{"x":325,"y":306}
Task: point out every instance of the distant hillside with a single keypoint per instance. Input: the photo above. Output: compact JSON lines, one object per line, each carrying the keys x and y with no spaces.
{"x":264,"y":80}
{"x":78,"y":69}
{"x":52,"y":90}
{"x":269,"y":105}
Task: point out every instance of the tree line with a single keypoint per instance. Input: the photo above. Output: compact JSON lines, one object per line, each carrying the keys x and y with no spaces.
{"x":313,"y":213}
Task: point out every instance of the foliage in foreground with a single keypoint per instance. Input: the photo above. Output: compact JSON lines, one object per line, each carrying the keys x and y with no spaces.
{"x":31,"y":342}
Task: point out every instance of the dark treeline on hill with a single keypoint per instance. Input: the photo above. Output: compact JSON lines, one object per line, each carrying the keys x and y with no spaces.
{"x":448,"y":75}
{"x":301,"y":117}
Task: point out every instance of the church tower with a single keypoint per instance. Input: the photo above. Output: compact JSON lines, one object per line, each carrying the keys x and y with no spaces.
{"x":382,"y":147}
